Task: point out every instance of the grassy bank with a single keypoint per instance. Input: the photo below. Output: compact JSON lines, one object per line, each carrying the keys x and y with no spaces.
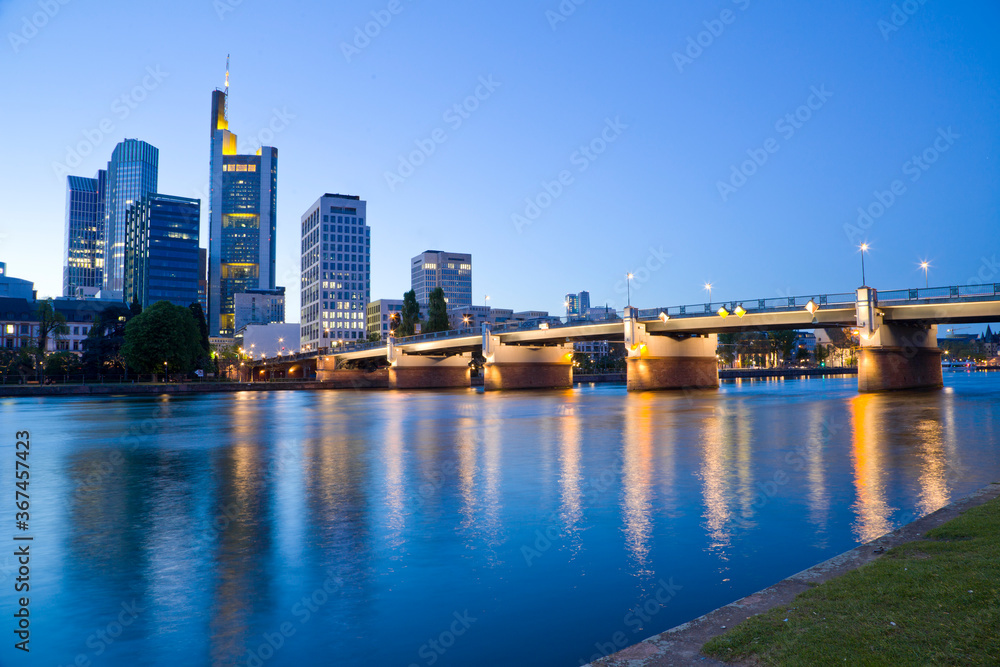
{"x":932,"y":601}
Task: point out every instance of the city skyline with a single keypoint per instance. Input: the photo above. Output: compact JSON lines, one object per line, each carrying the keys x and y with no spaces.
{"x":680,"y":171}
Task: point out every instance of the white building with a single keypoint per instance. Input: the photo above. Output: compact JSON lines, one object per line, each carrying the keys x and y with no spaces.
{"x":383,"y":316}
{"x":336,"y":272}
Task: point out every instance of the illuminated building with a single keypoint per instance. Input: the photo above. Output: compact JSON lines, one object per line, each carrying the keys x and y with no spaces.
{"x":242,"y":219}
{"x":132,"y":174}
{"x":83,"y":249}
{"x":336,"y":271}
{"x":161,"y":250}
{"x":451,"y":271}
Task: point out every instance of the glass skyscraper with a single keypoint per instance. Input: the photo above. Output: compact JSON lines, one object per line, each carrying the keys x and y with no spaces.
{"x":161,"y":250}
{"x":336,"y":271}
{"x":83,"y":267}
{"x":132,"y":174}
{"x":242,"y":219}
{"x":451,"y":271}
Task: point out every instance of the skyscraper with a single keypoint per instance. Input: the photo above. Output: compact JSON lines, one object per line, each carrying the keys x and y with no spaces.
{"x":83,"y":256}
{"x":336,"y":273}
{"x":451,"y":271}
{"x":242,"y":218}
{"x":132,"y":174}
{"x":161,"y":250}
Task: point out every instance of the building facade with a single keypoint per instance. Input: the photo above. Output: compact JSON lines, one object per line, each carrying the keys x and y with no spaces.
{"x":83,"y":247}
{"x":15,"y":288}
{"x":259,"y":307}
{"x":161,"y":250}
{"x":268,"y":340}
{"x":336,"y":271}
{"x":132,"y":174}
{"x":242,"y":219}
{"x":382,"y":317}
{"x":577,"y":305}
{"x":451,"y":271}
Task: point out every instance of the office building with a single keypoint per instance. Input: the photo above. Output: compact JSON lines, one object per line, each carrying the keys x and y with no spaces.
{"x":203,"y":281}
{"x":383,"y":316}
{"x":161,"y":250}
{"x":577,"y":305}
{"x":336,"y":273}
{"x":131,"y":175}
{"x":83,"y":247}
{"x":242,"y":219}
{"x":451,"y":271}
{"x":259,"y":306}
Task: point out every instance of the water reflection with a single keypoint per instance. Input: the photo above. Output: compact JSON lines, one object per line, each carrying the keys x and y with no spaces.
{"x":570,"y":475}
{"x":869,"y":459}
{"x":637,"y":474}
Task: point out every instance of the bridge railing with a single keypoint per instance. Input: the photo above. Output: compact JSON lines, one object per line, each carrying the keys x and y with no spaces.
{"x":771,"y":305}
{"x":953,"y":294}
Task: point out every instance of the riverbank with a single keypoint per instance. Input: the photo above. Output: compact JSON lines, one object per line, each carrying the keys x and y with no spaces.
{"x":756,"y":628}
{"x":149,"y":388}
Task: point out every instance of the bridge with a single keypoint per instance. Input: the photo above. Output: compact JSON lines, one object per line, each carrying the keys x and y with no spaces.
{"x":675,"y":347}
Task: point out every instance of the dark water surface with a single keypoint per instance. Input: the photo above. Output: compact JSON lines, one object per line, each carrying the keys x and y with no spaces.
{"x":454,"y":528}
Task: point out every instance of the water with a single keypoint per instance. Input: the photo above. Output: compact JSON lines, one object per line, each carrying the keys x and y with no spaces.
{"x":455,"y":528}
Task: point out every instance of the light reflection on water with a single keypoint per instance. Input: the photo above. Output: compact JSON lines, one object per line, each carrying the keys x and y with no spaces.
{"x":547,"y":516}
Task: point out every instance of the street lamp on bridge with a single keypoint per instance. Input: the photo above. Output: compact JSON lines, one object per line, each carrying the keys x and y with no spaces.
{"x":708,"y":286}
{"x":863,"y":248}
{"x":628,"y":283}
{"x":925,"y":265}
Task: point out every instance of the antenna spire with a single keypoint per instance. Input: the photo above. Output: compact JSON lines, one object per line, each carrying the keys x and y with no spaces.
{"x":227,"y":72}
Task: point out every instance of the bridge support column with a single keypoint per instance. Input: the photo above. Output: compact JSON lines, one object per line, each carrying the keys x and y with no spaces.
{"x":666,"y":362}
{"x":412,"y":371}
{"x":524,"y":367}
{"x":349,"y":378}
{"x":900,"y":357}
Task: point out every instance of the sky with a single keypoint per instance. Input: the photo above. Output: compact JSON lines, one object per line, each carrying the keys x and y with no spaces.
{"x":564,"y":144}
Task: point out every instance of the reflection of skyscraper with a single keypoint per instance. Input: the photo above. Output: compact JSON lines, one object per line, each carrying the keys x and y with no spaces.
{"x":83,"y":257}
{"x":132,"y":174}
{"x":242,"y":219}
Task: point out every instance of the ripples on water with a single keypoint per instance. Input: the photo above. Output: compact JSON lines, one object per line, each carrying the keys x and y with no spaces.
{"x":458,"y":528}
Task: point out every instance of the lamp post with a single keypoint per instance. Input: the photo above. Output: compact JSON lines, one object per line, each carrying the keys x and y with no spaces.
{"x":863,"y":248}
{"x":628,"y":283}
{"x":708,"y":286}
{"x":164,"y":372}
{"x":925,"y":265}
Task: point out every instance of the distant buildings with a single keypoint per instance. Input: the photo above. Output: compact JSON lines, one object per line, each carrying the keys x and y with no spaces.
{"x":577,"y":305}
{"x":83,"y":248}
{"x":132,"y":174}
{"x":450,"y":271}
{"x":15,"y":288}
{"x":383,"y":316}
{"x":161,"y":250}
{"x":268,"y":340}
{"x":336,"y":271}
{"x":242,"y":219}
{"x":259,"y":307}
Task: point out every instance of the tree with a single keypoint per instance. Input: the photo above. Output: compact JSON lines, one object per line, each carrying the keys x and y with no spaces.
{"x":102,"y":347}
{"x":162,"y":333}
{"x":437,"y":312}
{"x":410,"y":316}
{"x":50,"y":324}
{"x":784,"y":342}
{"x":63,"y":363}
{"x":374,"y":337}
{"x":205,"y":360}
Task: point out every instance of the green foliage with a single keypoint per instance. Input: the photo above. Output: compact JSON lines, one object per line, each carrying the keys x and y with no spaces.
{"x":205,"y":358}
{"x":410,"y":315}
{"x":437,"y":312}
{"x":374,"y":337}
{"x":63,"y":363}
{"x":928,"y":602}
{"x":51,"y":324}
{"x":162,"y":332}
{"x":102,"y":347}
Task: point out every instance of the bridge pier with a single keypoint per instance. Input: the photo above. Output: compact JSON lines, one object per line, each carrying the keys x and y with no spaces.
{"x":669,"y":362}
{"x":414,"y":371}
{"x":900,"y":357}
{"x":349,"y":378}
{"x":895,"y":356}
{"x":526,"y":367}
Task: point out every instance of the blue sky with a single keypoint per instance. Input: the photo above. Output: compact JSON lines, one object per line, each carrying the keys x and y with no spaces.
{"x":666,"y":125}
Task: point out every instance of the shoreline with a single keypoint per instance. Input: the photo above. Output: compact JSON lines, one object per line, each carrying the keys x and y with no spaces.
{"x":681,"y":644}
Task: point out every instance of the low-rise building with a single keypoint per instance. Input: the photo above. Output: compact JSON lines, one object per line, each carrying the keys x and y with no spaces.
{"x":382,"y":316}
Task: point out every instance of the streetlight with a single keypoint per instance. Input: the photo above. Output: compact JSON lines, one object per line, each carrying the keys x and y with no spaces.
{"x":925,"y":265}
{"x":164,"y":372}
{"x":708,"y":286}
{"x":863,"y":248}
{"x":628,"y":283}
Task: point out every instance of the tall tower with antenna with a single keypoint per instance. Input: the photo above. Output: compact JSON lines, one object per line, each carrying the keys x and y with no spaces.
{"x":242,"y":223}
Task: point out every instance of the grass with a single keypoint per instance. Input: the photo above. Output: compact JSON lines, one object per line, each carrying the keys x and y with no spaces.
{"x":932,"y":601}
